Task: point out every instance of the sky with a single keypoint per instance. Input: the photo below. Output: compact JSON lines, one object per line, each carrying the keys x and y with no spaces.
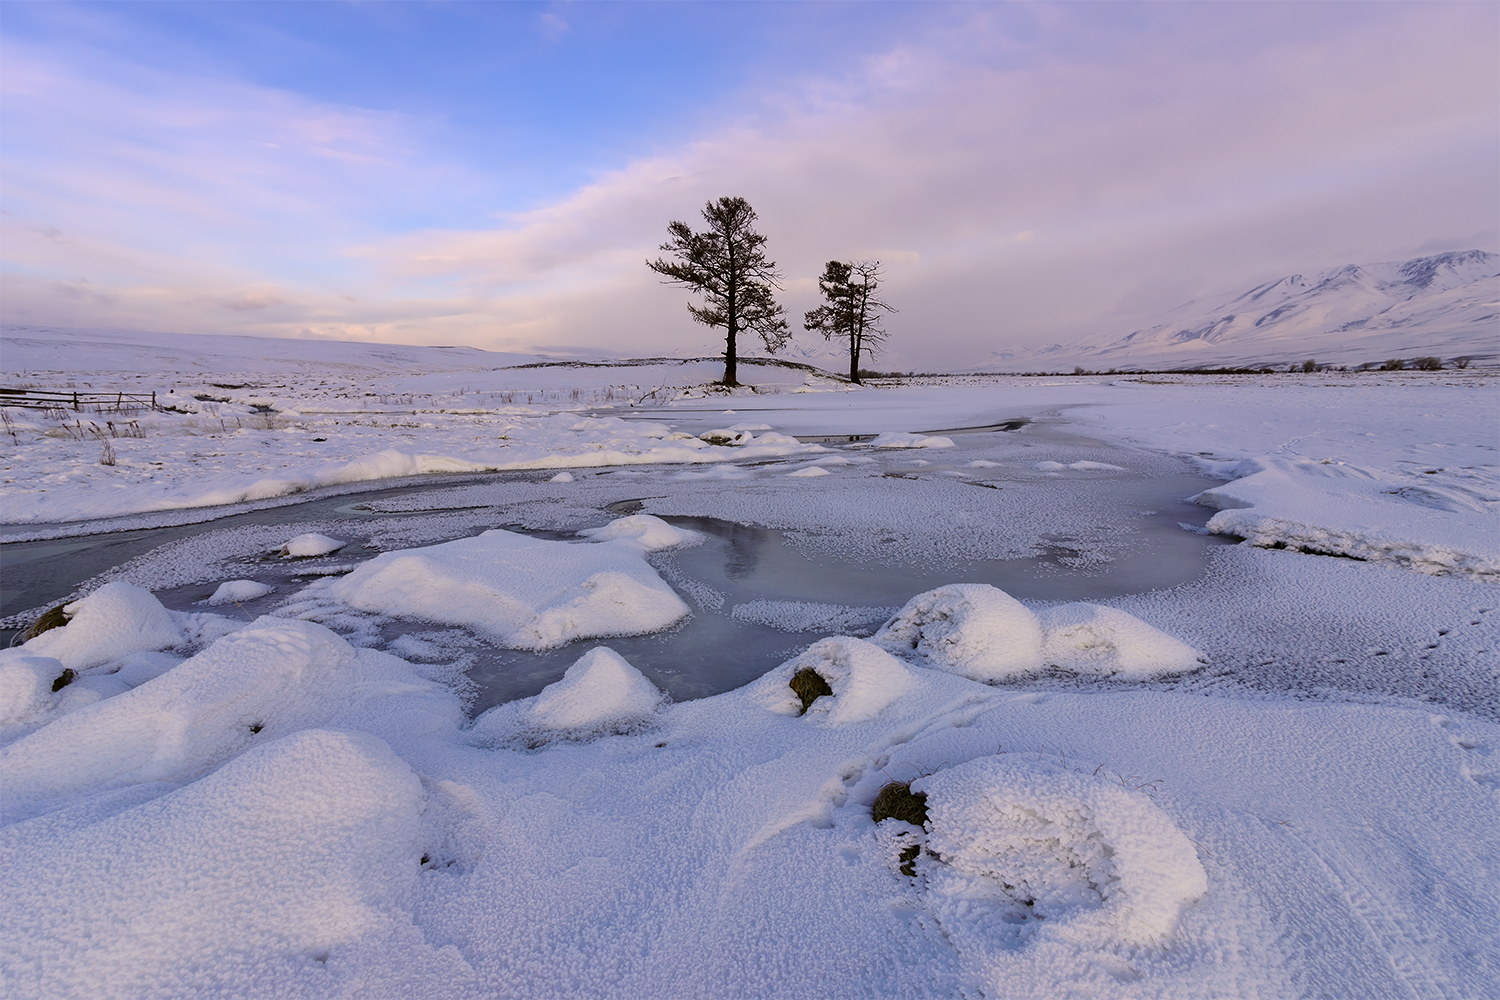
{"x":497,"y":174}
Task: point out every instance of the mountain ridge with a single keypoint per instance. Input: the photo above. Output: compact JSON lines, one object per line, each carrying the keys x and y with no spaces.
{"x":1445,"y":305}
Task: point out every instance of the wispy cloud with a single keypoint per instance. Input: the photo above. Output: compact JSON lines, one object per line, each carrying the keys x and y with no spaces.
{"x":1024,"y":181}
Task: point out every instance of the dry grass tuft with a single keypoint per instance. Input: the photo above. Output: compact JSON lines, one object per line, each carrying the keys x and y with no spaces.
{"x":897,"y":801}
{"x":48,"y":621}
{"x":809,"y":685}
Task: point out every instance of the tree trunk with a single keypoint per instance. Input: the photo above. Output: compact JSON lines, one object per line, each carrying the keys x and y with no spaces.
{"x":731,"y":317}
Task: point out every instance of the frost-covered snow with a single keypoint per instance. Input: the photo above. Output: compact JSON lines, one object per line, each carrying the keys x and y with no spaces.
{"x":310,"y":544}
{"x":232,"y":591}
{"x":522,"y":592}
{"x":1275,"y":777}
{"x":114,"y":620}
{"x":284,"y":814}
{"x":601,"y":693}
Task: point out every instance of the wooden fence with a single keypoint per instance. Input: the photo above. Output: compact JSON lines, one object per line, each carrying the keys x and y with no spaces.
{"x":95,"y":402}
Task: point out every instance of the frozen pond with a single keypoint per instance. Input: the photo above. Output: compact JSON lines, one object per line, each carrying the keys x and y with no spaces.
{"x":758,"y":594}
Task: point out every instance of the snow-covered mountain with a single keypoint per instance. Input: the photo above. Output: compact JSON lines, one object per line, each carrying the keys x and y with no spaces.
{"x":1446,"y":305}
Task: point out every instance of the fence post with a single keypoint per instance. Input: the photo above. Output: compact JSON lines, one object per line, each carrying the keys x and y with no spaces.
{"x":75,"y":402}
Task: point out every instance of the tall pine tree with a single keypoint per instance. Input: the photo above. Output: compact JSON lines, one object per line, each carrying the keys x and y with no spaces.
{"x":727,"y":266}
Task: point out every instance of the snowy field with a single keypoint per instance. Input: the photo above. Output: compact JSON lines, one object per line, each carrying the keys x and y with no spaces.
{"x":1240,"y":746}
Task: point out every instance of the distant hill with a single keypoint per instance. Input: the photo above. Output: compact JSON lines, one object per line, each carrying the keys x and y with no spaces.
{"x":1446,"y":305}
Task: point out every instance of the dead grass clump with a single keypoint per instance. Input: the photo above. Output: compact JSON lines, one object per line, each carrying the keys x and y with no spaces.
{"x":68,"y":677}
{"x":809,"y":685}
{"x":48,"y":621}
{"x":897,"y":801}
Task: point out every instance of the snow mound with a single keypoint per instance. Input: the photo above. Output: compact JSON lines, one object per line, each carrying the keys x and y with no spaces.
{"x":250,"y":875}
{"x":599,"y":694}
{"x":727,"y":437}
{"x":600,"y":690}
{"x":114,"y":621}
{"x":1327,"y":507}
{"x":270,"y":675}
{"x":231,"y":591}
{"x":648,"y":533}
{"x":901,"y":439}
{"x":1090,"y":639}
{"x":309,"y":545}
{"x":562,"y":477}
{"x":971,"y":629}
{"x":810,"y":472}
{"x":523,"y":592}
{"x":26,"y":685}
{"x":1022,"y":851}
{"x":865,"y":680}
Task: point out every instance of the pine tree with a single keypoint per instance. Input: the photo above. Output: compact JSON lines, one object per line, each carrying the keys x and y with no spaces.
{"x":851,"y":312}
{"x":727,"y":266}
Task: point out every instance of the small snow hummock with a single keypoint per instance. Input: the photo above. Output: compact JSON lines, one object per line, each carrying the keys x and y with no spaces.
{"x":524,"y":592}
{"x":901,"y":439}
{"x":599,"y":694}
{"x":562,"y":477}
{"x":648,"y":533}
{"x":309,"y":545}
{"x":1051,"y":853}
{"x":865,"y":680}
{"x":809,"y":472}
{"x":26,"y":686}
{"x":117,"y":619}
{"x":601,"y":689}
{"x":234,"y":591}
{"x":1090,"y":639}
{"x":970,"y":629}
{"x":981,"y":632}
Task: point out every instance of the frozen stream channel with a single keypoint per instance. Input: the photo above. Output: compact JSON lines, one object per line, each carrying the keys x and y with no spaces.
{"x":1028,"y":508}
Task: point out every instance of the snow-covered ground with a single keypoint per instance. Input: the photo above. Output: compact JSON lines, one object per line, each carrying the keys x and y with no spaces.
{"x":1274,"y":777}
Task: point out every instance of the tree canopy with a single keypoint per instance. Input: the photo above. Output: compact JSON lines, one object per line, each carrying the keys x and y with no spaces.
{"x":851,"y":312}
{"x":726,"y":265}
